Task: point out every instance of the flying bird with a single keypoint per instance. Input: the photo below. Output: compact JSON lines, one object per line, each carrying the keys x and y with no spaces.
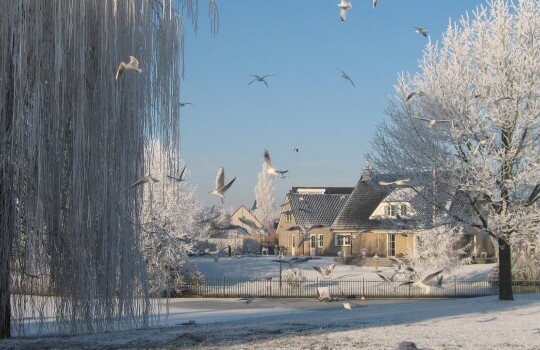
{"x":433,"y":122}
{"x":221,"y":188}
{"x":282,"y":173}
{"x":397,"y":182}
{"x":374,"y":3}
{"x":146,"y":179}
{"x":422,"y":283}
{"x":133,"y":64}
{"x":214,"y":254}
{"x":270,"y":168}
{"x":254,"y":206}
{"x":347,"y":303}
{"x":400,"y":267}
{"x":346,"y":76}
{"x":422,"y":31}
{"x":295,"y":149}
{"x":259,"y":78}
{"x":178,"y":179}
{"x":325,"y":272}
{"x":344,"y":5}
{"x":414,"y":93}
{"x":305,"y":231}
{"x":183,"y":104}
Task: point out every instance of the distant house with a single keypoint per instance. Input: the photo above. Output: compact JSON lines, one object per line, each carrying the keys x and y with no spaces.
{"x":243,"y":215}
{"x":368,"y":219}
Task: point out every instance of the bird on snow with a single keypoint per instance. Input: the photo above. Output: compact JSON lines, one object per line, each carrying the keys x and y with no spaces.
{"x":221,"y":188}
{"x":133,"y":64}
{"x":305,"y":231}
{"x":325,"y":272}
{"x":259,"y":78}
{"x":247,"y":300}
{"x":178,"y":179}
{"x":346,"y":76}
{"x":344,"y":5}
{"x":406,"y":345}
{"x":397,"y":182}
{"x":433,"y":122}
{"x":422,"y":31}
{"x":146,"y":179}
{"x":422,"y":283}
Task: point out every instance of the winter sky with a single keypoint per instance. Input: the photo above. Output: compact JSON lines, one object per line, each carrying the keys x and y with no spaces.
{"x":308,"y":104}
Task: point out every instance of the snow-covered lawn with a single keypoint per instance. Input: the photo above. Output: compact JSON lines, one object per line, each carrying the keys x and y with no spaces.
{"x":263,"y":266}
{"x":474,"y":323}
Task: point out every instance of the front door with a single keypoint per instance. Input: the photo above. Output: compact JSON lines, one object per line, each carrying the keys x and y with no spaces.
{"x":312,"y":245}
{"x":293,"y":244}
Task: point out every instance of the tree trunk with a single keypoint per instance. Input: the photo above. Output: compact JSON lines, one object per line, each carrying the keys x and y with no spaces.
{"x":505,"y":270}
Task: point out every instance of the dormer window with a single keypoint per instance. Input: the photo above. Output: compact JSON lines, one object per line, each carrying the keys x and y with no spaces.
{"x":390,"y":210}
{"x":403,"y":210}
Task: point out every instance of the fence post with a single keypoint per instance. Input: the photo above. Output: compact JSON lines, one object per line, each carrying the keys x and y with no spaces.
{"x":455,"y":287}
{"x":224,"y":286}
{"x":363,"y":287}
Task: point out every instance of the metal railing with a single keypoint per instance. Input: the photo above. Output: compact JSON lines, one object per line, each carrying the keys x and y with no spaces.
{"x":274,"y":288}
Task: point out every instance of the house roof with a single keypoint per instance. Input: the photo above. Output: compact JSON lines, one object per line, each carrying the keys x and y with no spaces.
{"x":316,"y":209}
{"x":321,"y":190}
{"x":364,"y":199}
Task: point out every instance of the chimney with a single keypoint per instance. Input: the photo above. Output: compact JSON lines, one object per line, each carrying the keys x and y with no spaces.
{"x":367,"y":175}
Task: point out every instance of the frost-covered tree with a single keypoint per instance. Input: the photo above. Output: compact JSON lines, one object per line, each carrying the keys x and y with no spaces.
{"x":264,"y":195}
{"x":467,"y":126}
{"x":72,"y":140}
{"x":437,"y":249}
{"x":169,"y":221}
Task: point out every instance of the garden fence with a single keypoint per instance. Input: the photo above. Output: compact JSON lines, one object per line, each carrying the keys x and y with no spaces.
{"x":274,"y":288}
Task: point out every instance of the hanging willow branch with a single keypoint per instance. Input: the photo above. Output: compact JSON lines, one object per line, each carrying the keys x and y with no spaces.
{"x":72,"y":141}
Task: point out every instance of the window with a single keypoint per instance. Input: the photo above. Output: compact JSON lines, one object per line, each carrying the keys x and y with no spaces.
{"x":312,"y":241}
{"x":288,"y":217}
{"x":321,"y":240}
{"x":403,"y":210}
{"x":342,"y":240}
{"x":391,"y":244}
{"x":390,"y":210}
{"x":293,"y":241}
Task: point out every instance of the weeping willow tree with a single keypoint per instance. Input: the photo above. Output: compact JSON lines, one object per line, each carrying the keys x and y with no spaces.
{"x":72,"y":141}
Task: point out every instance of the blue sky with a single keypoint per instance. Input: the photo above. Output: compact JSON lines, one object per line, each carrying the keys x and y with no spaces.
{"x":307,"y":105}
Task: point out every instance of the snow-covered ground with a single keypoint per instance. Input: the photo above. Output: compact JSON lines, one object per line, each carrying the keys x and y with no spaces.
{"x":264,"y":266}
{"x":474,"y":323}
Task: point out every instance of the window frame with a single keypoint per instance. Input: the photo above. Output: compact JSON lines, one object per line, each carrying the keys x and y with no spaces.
{"x":320,"y":240}
{"x":345,"y":238}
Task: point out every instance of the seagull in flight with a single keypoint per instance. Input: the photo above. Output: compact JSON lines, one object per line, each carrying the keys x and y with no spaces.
{"x":344,"y":5}
{"x":178,"y":179}
{"x":346,"y":76}
{"x":374,"y":3}
{"x":422,"y":31}
{"x":214,"y":254}
{"x":133,"y":64}
{"x":282,"y":173}
{"x":305,"y":231}
{"x":325,"y":272}
{"x":422,"y":283}
{"x":259,"y":78}
{"x":397,"y":182}
{"x":221,"y":188}
{"x":270,"y":168}
{"x":254,"y":206}
{"x":247,"y":300}
{"x":295,"y":149}
{"x":412,"y":94}
{"x":433,"y":122}
{"x":183,"y":104}
{"x":146,"y":179}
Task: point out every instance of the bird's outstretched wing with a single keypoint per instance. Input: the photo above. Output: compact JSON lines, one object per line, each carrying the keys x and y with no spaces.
{"x":267,"y":160}
{"x":119,"y":71}
{"x":226,"y":187}
{"x":431,"y":276}
{"x":133,"y":61}
{"x":220,"y":179}
{"x":424,"y":119}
